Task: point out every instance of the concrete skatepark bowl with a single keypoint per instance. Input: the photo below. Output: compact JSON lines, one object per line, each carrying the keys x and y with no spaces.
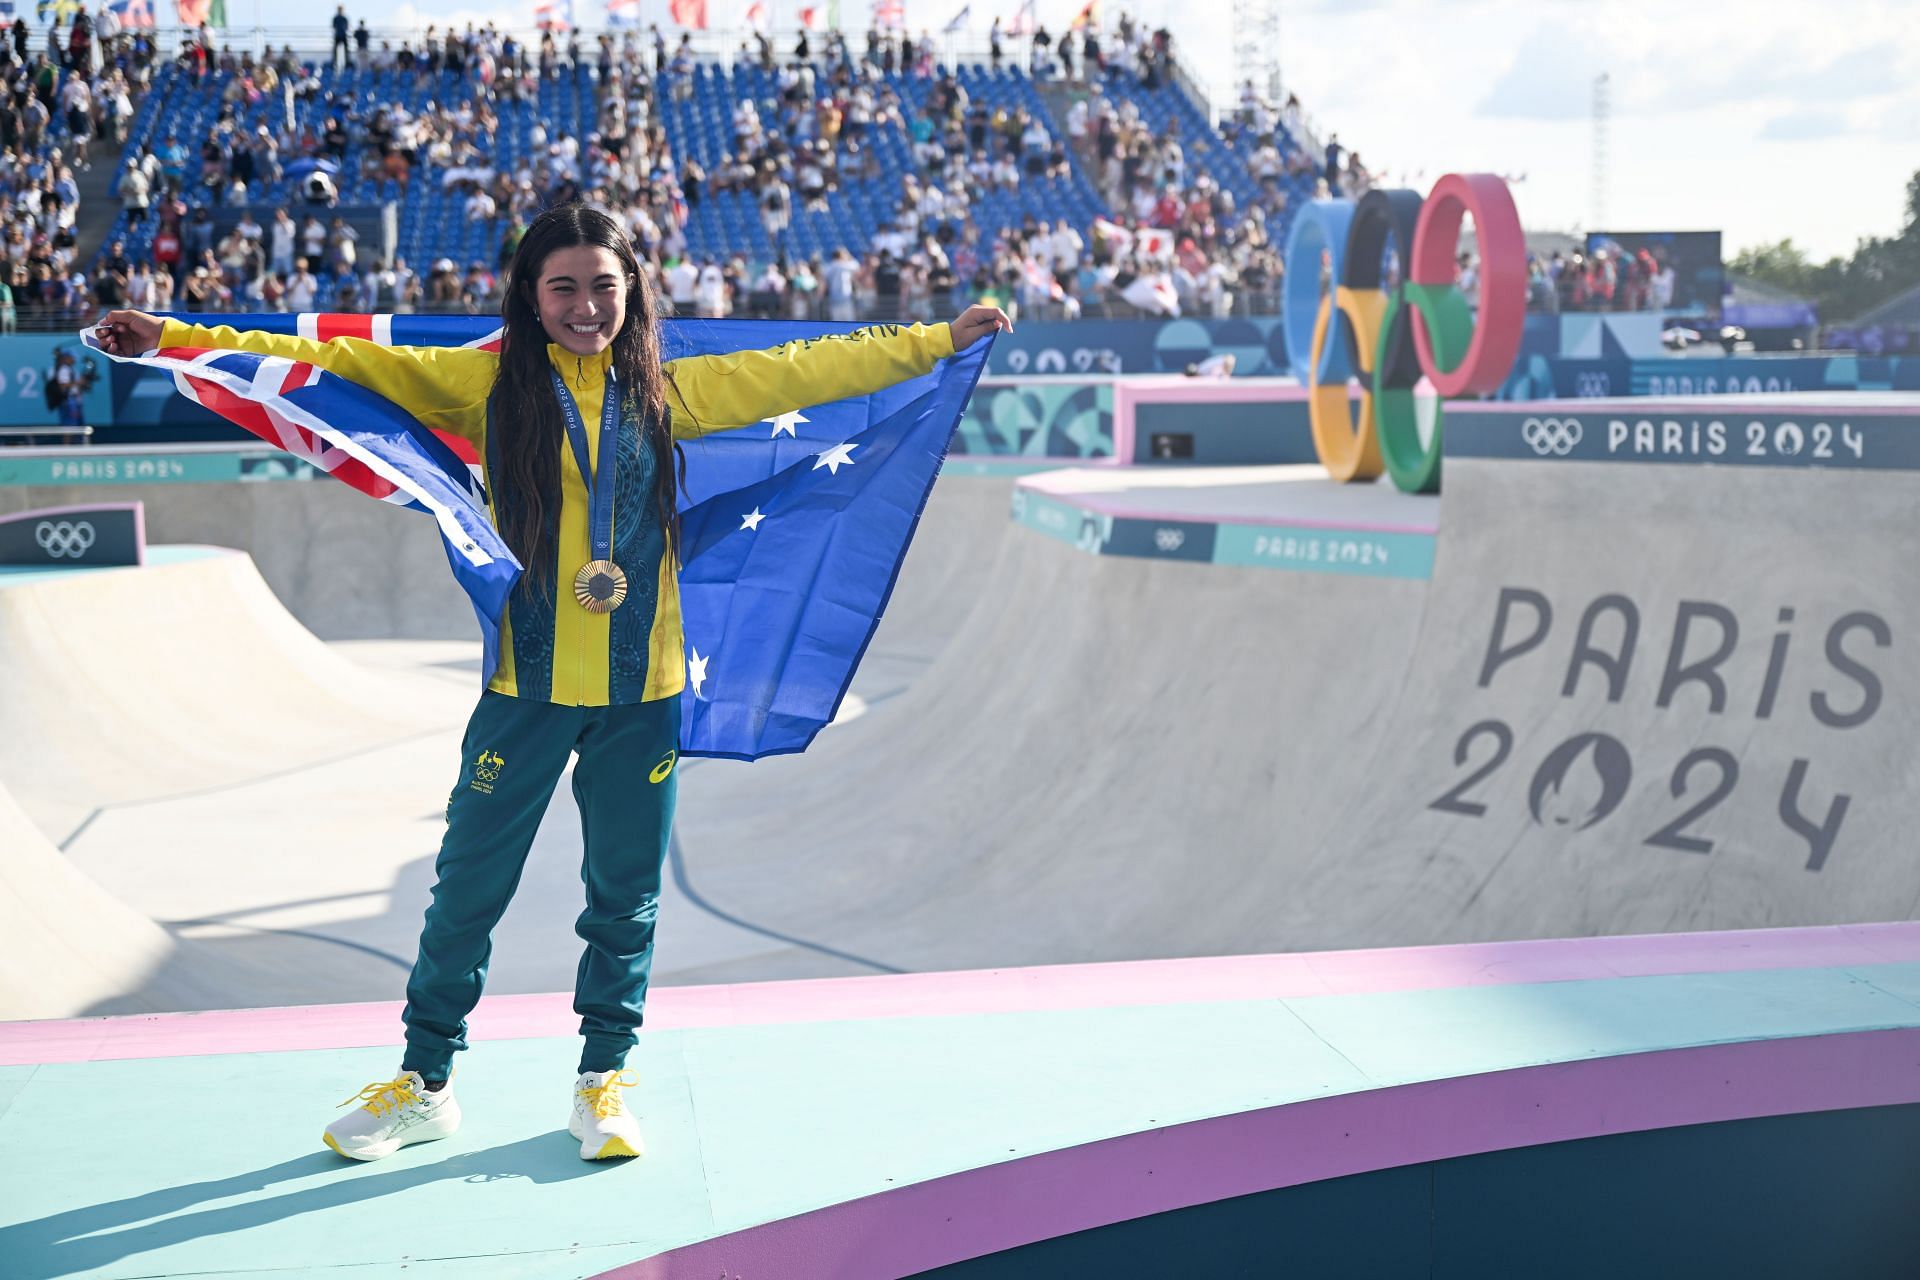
{"x":1472,"y":806}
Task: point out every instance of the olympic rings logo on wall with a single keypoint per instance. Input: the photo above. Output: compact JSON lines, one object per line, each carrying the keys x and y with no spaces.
{"x":68,"y":539}
{"x":1551,"y":436}
{"x":1388,"y":334}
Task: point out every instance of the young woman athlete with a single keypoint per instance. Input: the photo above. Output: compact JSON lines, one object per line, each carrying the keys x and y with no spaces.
{"x":591,"y":649}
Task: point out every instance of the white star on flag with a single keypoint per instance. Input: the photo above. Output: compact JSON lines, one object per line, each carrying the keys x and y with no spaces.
{"x":752,"y":520}
{"x":697,"y":670}
{"x":785,"y":423}
{"x":834,"y":458}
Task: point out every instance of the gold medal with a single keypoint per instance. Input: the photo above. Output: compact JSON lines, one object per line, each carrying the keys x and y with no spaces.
{"x":600,"y":586}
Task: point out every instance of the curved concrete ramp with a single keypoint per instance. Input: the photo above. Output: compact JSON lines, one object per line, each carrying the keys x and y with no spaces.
{"x":177,"y":679}
{"x":1112,"y":759}
{"x":68,"y":943}
{"x":942,"y":579}
{"x":69,"y":947}
{"x":126,"y":685}
{"x":274,"y":802}
{"x":1645,"y":690}
{"x":1660,"y":685}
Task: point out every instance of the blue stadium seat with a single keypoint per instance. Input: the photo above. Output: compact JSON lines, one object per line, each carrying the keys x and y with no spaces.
{"x":433,"y":224}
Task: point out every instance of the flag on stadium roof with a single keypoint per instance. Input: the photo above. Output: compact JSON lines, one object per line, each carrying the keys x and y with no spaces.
{"x":793,"y":529}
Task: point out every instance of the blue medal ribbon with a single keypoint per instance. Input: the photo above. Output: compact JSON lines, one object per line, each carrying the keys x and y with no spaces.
{"x":599,"y":483}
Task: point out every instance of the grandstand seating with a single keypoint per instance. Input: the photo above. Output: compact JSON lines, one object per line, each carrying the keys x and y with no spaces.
{"x":433,"y":222}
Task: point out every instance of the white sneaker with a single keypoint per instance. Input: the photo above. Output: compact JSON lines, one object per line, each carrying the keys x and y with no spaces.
{"x":392,"y":1114}
{"x":601,"y":1120}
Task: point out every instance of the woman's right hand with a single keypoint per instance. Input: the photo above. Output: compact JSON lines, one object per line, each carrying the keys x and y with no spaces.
{"x":128,"y":333}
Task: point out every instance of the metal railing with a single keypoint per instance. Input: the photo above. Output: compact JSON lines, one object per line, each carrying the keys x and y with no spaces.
{"x":58,"y":434}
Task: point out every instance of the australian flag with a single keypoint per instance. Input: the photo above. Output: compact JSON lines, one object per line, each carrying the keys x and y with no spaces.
{"x":794,"y":528}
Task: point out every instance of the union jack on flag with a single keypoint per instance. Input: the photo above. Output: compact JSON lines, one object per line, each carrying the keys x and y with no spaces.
{"x":360,"y":438}
{"x":794,"y":530}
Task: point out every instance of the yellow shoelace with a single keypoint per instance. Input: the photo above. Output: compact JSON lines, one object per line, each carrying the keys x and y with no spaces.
{"x":383,"y":1097}
{"x":605,"y":1100}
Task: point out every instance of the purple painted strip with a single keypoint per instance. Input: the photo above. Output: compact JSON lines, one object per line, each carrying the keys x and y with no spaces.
{"x":1107,"y":507}
{"x":1177,"y":389}
{"x":1742,"y":402}
{"x":986,"y":1210}
{"x":1204,"y":980}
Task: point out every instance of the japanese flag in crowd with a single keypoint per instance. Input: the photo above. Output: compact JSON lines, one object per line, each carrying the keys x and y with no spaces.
{"x":793,"y":529}
{"x":1147,"y":242}
{"x":689,"y":13}
{"x":1153,"y":293}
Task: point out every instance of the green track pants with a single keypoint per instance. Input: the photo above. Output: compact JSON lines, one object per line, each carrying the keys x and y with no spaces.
{"x":513,"y":755}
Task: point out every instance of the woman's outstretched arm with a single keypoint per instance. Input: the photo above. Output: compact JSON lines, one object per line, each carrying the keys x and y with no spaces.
{"x":444,"y":387}
{"x":719,"y":393}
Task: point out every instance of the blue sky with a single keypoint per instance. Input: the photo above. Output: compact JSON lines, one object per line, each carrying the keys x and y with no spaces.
{"x":1762,"y":118}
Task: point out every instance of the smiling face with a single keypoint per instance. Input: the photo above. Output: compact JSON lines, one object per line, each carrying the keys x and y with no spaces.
{"x":581,"y":296}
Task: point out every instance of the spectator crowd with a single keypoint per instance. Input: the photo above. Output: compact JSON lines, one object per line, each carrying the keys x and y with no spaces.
{"x":1174,"y":241}
{"x":69,"y":93}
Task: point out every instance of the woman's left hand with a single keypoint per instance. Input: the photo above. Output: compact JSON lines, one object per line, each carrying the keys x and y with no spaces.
{"x":977,"y":322}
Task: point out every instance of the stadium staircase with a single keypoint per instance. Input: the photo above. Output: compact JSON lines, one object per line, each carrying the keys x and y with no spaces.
{"x":99,"y":210}
{"x":1059,"y":98}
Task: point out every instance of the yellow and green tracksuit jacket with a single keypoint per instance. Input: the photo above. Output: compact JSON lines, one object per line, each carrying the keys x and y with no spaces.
{"x":554,"y":650}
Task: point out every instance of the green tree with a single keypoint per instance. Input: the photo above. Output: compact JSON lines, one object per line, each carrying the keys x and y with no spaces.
{"x":1842,"y":288}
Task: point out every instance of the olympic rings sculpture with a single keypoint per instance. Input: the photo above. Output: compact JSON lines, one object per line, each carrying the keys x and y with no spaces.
{"x":1353,"y":322}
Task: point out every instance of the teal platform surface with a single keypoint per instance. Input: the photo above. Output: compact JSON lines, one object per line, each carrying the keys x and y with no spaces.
{"x":210,"y":1163}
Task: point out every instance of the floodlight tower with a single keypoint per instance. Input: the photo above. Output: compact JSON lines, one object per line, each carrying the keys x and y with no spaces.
{"x":1602,"y":118}
{"x":1256,"y":48}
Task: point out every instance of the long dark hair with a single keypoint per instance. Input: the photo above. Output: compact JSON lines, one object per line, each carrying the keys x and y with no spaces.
{"x":527,"y":420}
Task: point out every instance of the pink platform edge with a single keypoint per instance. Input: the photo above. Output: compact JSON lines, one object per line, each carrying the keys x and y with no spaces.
{"x":1149,"y":982}
{"x":995,"y":1207}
